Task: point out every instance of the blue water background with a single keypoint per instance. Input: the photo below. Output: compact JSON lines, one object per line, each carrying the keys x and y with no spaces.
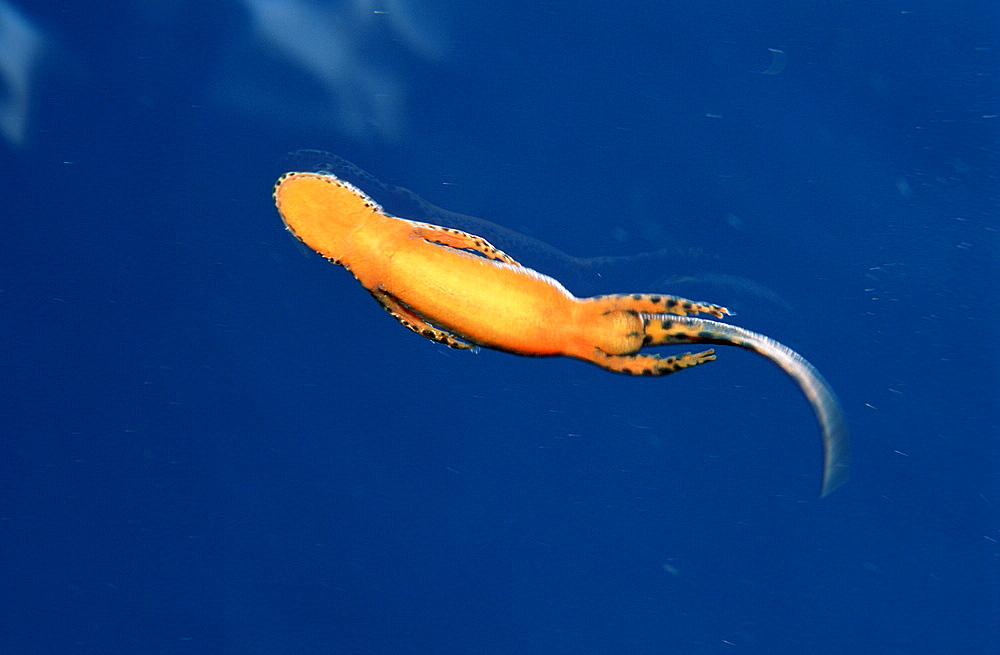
{"x":215,"y":442}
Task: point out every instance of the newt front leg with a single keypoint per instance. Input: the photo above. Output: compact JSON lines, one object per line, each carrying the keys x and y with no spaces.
{"x":459,"y":240}
{"x":411,"y":321}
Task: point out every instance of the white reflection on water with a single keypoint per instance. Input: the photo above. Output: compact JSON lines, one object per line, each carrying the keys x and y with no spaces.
{"x":21,"y":44}
{"x":329,"y":63}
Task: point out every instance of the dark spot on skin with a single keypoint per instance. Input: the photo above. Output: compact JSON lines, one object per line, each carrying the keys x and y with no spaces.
{"x":631,"y":312}
{"x":636,"y":296}
{"x":648,"y":339}
{"x":672,"y":303}
{"x":679,"y":335}
{"x":704,"y":334}
{"x":628,"y":371}
{"x":655,"y":299}
{"x":687,"y":305}
{"x":428,"y":333}
{"x":667,"y":325}
{"x":647,"y":371}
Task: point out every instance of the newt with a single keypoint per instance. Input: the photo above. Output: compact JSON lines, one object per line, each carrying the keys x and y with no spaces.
{"x":457,"y":289}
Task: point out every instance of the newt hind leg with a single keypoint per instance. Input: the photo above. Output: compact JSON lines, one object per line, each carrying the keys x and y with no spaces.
{"x":649,"y":303}
{"x":651,"y":364}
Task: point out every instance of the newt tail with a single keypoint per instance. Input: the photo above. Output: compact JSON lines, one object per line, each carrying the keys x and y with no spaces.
{"x":664,"y":329}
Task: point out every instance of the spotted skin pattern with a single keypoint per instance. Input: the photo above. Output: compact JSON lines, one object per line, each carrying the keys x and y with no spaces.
{"x":457,"y":289}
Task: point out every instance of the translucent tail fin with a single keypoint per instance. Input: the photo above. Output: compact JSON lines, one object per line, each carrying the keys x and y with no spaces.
{"x":670,"y":329}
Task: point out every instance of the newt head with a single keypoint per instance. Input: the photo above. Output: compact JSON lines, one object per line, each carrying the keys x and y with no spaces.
{"x":322,"y":211}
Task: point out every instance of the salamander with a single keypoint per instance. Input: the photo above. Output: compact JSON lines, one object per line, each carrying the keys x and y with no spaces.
{"x":457,"y":289}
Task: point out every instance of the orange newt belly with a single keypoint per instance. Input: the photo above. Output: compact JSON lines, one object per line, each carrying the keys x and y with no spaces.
{"x":486,"y":302}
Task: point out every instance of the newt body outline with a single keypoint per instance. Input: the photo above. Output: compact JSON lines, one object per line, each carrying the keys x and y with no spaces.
{"x":457,"y":289}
